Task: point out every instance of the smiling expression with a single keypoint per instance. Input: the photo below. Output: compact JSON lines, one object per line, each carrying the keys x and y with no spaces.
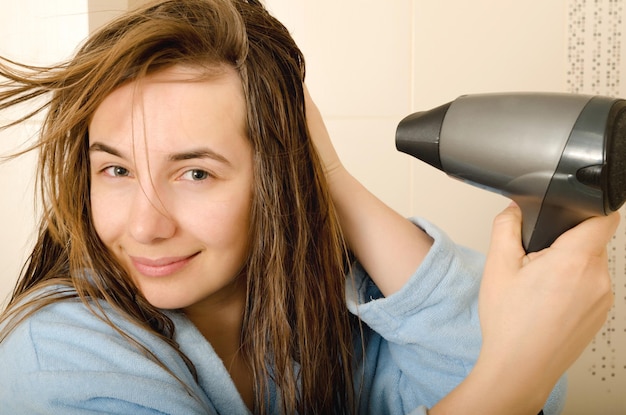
{"x":171,"y":183}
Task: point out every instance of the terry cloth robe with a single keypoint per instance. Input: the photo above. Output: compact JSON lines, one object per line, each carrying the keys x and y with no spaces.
{"x":419,"y":343}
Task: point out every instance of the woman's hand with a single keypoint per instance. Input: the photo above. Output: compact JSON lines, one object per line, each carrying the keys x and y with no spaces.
{"x":542,"y":309}
{"x":321,"y":138}
{"x":538,"y":313}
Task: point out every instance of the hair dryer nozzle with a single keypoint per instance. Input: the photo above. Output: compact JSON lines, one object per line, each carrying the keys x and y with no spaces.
{"x":418,"y":135}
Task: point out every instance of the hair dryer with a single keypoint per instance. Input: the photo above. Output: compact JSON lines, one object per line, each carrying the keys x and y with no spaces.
{"x":560,"y":157}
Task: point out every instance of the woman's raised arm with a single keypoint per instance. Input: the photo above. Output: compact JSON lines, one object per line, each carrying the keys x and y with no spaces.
{"x":388,"y":245}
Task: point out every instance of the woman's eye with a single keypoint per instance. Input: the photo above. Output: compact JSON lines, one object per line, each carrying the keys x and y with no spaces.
{"x":116,"y":171}
{"x":196,"y":175}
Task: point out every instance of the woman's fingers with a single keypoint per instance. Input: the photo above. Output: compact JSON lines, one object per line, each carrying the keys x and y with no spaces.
{"x":506,"y":250}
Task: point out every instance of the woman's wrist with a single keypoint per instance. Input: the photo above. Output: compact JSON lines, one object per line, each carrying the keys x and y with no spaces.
{"x":494,"y":388}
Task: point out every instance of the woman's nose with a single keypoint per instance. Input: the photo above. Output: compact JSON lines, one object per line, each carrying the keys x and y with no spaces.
{"x":149,"y":219}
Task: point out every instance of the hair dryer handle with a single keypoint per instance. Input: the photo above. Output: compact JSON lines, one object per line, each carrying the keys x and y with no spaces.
{"x":543,"y":223}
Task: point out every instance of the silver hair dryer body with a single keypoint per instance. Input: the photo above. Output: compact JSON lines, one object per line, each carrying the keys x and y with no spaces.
{"x":560,"y":157}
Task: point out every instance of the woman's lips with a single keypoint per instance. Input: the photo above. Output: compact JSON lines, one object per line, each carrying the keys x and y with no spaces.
{"x":160,"y":267}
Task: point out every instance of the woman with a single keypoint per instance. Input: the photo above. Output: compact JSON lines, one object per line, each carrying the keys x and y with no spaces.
{"x":191,"y":257}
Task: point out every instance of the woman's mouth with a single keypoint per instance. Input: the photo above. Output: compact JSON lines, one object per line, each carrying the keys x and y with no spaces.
{"x":160,"y":267}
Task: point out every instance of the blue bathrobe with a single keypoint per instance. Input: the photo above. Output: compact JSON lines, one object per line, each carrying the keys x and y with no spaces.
{"x":419,"y":343}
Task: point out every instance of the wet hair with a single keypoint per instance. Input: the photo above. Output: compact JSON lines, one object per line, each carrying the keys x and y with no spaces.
{"x":297,"y":331}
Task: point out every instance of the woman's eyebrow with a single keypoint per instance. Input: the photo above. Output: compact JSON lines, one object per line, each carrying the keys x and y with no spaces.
{"x":97,"y":146}
{"x":200,"y":153}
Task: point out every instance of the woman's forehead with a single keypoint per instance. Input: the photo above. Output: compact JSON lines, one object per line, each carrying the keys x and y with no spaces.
{"x":173,"y":104}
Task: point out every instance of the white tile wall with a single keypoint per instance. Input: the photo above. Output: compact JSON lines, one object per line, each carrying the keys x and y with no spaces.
{"x":357,"y":51}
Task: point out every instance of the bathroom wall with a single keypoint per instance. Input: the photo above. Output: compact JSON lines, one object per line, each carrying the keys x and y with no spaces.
{"x":36,"y":32}
{"x":370,"y":63}
{"x":101,"y":11}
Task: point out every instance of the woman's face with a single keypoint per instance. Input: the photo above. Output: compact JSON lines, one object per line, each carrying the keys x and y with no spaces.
{"x":171,"y":183}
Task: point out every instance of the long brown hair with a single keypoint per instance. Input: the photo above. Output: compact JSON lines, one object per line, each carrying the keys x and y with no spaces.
{"x":296,"y":330}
